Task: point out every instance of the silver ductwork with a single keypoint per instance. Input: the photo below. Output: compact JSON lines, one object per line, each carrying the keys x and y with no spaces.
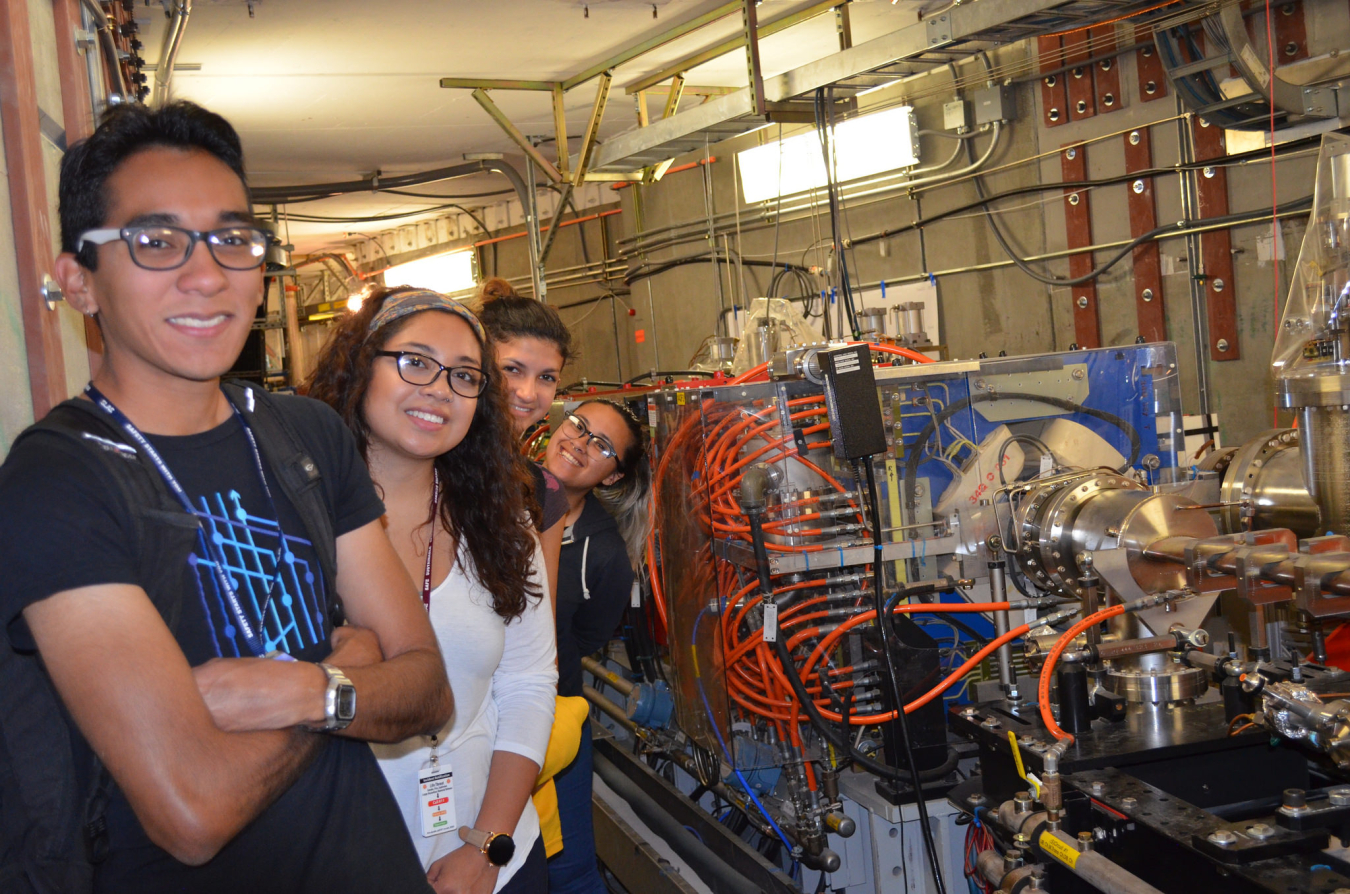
{"x":1311,"y":360}
{"x":168,"y":57}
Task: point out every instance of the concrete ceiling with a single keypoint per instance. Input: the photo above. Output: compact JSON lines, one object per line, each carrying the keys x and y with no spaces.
{"x":325,"y":90}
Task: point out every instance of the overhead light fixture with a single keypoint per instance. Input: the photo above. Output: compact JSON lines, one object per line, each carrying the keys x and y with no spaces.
{"x":863,"y":146}
{"x":449,"y":272}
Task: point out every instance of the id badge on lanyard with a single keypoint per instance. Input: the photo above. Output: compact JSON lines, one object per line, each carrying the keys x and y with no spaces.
{"x":436,"y":795}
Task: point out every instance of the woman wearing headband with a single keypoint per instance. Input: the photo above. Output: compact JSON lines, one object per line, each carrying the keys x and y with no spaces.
{"x":412,"y":373}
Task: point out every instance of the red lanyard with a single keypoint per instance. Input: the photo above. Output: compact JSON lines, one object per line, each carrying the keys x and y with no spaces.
{"x":431,"y":540}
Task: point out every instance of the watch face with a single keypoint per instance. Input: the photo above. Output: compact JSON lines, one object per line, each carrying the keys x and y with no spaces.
{"x":500,"y":850}
{"x":346,"y":702}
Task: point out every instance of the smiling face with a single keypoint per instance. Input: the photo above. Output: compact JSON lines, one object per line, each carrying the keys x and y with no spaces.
{"x":578,"y":468}
{"x":422,"y":421}
{"x":531,"y":367}
{"x":162,"y":327}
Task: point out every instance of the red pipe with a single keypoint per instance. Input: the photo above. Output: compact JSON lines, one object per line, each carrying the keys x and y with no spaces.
{"x":566,"y":223}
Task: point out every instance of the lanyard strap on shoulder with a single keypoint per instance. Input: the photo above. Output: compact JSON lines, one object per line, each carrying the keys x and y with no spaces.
{"x":246,"y":625}
{"x":431,"y":538}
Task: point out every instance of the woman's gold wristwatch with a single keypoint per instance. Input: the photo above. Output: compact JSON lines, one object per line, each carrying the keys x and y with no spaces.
{"x":498,"y":847}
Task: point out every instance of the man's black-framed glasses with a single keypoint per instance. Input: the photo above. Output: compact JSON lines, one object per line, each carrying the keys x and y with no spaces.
{"x":418,"y":369}
{"x":598,"y":447}
{"x":168,"y":248}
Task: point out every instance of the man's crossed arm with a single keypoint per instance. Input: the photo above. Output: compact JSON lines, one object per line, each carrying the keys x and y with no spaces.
{"x":200,"y":753}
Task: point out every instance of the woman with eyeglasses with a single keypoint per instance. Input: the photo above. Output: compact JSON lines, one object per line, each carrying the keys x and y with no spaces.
{"x":413,"y":374}
{"x":599,"y":454}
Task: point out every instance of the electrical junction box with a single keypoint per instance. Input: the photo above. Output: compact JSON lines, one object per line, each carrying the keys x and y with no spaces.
{"x":956,"y":116}
{"x":856,"y":426}
{"x":995,"y":103}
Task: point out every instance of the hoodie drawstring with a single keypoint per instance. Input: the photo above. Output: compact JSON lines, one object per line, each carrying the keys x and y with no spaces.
{"x":585,"y":548}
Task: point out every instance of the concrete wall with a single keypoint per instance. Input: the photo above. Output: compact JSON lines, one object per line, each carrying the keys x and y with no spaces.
{"x":990,"y":310}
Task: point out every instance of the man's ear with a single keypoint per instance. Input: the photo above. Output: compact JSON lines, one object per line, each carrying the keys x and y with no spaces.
{"x":75,"y":283}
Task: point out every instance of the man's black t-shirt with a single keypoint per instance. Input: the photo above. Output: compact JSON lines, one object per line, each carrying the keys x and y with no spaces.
{"x":63,"y":525}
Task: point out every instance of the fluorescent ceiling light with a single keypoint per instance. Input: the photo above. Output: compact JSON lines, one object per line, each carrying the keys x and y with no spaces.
{"x":449,"y":272}
{"x":863,"y":146}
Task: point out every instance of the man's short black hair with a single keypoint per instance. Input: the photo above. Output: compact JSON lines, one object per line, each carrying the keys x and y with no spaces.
{"x":125,"y":130}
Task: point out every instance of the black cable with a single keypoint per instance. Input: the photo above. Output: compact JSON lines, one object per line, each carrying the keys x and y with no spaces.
{"x":821,"y":108}
{"x":670,"y":372}
{"x":581,"y":229}
{"x":845,"y":708}
{"x":589,"y":383}
{"x":915,"y":451}
{"x":1016,"y":576}
{"x":465,"y":195}
{"x":641,"y":273}
{"x":887,"y":625}
{"x":803,"y":697}
{"x":1052,"y":280}
{"x":283,"y":195}
{"x":376,"y":218}
{"x":1032,"y":440}
{"x":1034,"y":188}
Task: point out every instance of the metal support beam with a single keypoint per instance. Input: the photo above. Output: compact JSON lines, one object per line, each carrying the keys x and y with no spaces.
{"x":1087,"y":326}
{"x":530,"y":150}
{"x":1148,"y":281}
{"x":728,"y":46}
{"x":613,"y":176}
{"x":634,"y":862}
{"x":640,"y":106}
{"x":706,"y":91}
{"x":531,"y":197}
{"x":560,"y":130}
{"x":592,"y":128}
{"x":860,"y":66}
{"x":557,"y":223}
{"x":654,"y":173}
{"x":843,"y":24}
{"x":673,"y":98}
{"x":495,"y":84}
{"x":755,"y":76}
{"x":652,"y":43}
{"x":1216,"y":249}
{"x":19,"y":119}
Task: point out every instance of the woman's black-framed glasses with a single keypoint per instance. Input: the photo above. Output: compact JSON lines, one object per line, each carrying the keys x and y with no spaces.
{"x":418,"y":369}
{"x":168,"y":248}
{"x":598,"y":447}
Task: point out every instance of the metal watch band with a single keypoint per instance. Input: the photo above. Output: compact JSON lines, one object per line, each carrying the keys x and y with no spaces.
{"x":335,"y":718}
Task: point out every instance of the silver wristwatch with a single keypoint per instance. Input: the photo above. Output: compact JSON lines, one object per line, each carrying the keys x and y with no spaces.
{"x":339,"y":701}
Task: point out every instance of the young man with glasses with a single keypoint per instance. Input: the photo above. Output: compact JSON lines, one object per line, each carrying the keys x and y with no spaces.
{"x":230,"y":722}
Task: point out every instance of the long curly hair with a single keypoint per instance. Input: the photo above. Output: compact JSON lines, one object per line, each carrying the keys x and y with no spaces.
{"x":484,"y":480}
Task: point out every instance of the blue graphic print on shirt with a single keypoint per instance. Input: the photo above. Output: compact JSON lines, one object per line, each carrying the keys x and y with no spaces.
{"x":263,"y":566}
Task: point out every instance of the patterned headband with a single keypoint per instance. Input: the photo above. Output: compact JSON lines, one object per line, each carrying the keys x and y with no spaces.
{"x":402,"y":304}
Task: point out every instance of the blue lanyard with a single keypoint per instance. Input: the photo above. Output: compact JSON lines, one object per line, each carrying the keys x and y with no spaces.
{"x":246,"y":626}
